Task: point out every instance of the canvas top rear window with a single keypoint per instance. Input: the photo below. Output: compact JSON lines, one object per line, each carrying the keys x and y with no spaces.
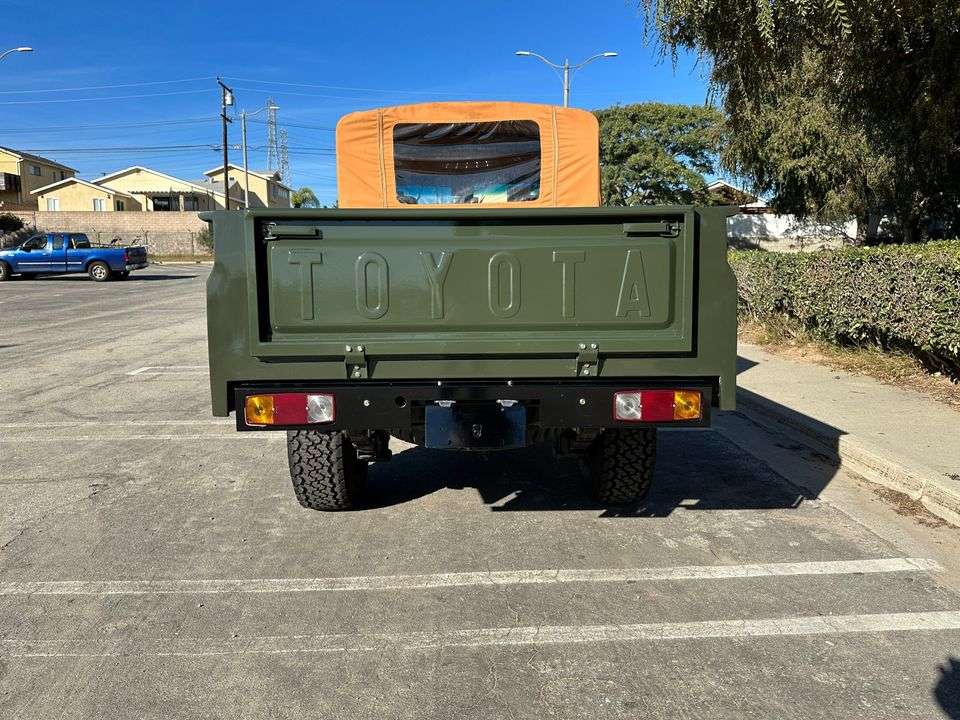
{"x":467,"y":163}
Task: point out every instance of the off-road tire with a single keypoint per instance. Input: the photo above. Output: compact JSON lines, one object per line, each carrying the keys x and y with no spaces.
{"x":325,"y":470}
{"x":99,"y":271}
{"x":5,"y":271}
{"x":620,"y":465}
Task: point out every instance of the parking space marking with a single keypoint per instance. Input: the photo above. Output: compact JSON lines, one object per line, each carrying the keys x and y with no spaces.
{"x":441,"y":580}
{"x":113,"y":423}
{"x":170,"y":370}
{"x":485,"y":637}
{"x":243,"y":436}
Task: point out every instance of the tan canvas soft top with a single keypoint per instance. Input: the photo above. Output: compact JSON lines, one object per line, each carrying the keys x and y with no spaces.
{"x":569,"y":152}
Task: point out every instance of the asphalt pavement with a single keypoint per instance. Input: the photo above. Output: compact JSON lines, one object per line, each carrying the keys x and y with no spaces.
{"x":155,"y":564}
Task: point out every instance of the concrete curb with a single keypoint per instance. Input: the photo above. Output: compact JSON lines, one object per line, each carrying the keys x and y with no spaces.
{"x":939,"y":494}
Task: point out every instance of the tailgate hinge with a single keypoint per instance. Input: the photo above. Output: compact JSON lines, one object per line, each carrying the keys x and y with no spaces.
{"x":588,"y":360}
{"x":355,"y":361}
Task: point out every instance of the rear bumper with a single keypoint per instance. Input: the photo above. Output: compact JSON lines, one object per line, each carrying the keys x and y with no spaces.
{"x":135,"y":266}
{"x":401,"y":407}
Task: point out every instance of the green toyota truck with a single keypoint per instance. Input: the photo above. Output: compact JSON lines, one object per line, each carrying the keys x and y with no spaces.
{"x":469,"y":293}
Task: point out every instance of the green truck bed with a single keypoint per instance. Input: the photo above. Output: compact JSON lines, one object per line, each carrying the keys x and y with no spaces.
{"x":360,"y":296}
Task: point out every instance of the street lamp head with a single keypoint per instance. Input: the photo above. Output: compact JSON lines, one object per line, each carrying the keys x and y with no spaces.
{"x":609,"y":54}
{"x":523,"y":53}
{"x":273,"y":107}
{"x":24,"y":49}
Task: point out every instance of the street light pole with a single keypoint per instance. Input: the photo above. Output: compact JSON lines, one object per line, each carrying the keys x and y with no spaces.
{"x":243,"y":132}
{"x":14,"y":50}
{"x":567,"y":68}
{"x":246,"y":171}
{"x":226,"y":100}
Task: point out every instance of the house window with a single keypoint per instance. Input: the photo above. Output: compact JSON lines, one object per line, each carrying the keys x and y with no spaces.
{"x":191,"y":202}
{"x":63,"y":174}
{"x":53,"y":203}
{"x":119,"y":205}
{"x":98,"y":204}
{"x":35,"y":170}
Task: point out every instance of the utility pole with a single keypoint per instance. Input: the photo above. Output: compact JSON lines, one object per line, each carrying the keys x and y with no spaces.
{"x":226,"y":100}
{"x":566,"y":82}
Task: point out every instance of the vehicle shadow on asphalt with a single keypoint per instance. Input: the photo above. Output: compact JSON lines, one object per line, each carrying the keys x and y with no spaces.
{"x":696,"y":470}
{"x":947,"y":689}
{"x":133,"y":278}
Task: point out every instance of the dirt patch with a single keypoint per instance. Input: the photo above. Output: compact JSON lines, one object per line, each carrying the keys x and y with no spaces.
{"x":907,"y":506}
{"x":890,"y":368}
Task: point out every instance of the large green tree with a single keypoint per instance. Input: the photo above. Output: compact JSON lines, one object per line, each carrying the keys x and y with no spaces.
{"x":654,"y":153}
{"x":833,"y":106}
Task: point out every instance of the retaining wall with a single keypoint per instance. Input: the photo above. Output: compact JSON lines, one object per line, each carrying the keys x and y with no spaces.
{"x":164,"y":233}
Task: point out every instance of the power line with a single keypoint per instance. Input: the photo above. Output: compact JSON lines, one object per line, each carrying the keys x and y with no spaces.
{"x":122,"y":148}
{"x":105,"y":87}
{"x":101,"y":99}
{"x":296,"y":125}
{"x":153,"y":123}
{"x":345,"y":87}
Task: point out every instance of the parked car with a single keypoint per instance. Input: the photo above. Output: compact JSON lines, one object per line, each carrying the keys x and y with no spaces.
{"x":510,"y":313}
{"x":59,"y":253}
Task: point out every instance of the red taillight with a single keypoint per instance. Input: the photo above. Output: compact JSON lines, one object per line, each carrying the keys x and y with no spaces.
{"x":289,"y":409}
{"x":126,"y":256}
{"x":657,"y":405}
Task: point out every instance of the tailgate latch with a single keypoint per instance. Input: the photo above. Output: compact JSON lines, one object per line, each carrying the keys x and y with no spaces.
{"x":355,"y":361}
{"x":588,"y":359}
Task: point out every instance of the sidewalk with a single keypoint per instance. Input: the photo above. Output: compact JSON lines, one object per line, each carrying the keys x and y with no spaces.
{"x":898,"y":438}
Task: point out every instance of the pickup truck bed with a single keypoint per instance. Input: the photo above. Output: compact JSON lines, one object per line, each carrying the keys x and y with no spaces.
{"x":396,"y":313}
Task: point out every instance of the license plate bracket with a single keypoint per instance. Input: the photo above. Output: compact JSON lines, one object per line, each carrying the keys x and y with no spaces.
{"x":488,"y":426}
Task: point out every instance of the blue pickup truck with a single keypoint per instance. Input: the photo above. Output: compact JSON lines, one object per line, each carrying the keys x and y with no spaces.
{"x":58,"y":253}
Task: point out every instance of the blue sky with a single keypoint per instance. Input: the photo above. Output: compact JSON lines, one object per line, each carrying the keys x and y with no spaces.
{"x":344,"y":56}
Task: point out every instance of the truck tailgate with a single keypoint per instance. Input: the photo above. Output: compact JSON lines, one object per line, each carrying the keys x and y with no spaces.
{"x":464,"y":286}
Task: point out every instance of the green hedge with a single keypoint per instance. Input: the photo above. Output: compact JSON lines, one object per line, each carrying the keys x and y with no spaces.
{"x":904,"y":297}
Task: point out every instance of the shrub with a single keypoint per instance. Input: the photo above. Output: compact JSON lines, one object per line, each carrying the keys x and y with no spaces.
{"x":204,"y":239}
{"x":893,"y":296}
{"x":10,"y":223}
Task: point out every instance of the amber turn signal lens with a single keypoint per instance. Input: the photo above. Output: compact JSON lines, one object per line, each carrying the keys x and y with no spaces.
{"x":259,"y":410}
{"x":686,"y":405}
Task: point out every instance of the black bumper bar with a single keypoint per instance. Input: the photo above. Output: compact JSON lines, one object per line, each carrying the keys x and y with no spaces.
{"x":547,"y":404}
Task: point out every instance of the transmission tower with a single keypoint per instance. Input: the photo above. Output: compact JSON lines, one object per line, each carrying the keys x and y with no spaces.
{"x":284,"y":158}
{"x":273,"y":150}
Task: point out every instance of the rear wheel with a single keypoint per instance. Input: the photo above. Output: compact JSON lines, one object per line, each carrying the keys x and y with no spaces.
{"x":621,"y":465}
{"x":99,"y":271}
{"x":325,"y":469}
{"x":4,"y":271}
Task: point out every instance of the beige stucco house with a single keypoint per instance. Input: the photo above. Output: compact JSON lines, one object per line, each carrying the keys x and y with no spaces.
{"x":21,"y":173}
{"x":157,"y":191}
{"x":135,"y":188}
{"x":266,"y":189}
{"x":76,"y":194}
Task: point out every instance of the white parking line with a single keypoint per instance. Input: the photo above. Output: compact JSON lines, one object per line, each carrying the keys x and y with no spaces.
{"x":113,"y":423}
{"x":441,"y":580}
{"x":243,"y":436}
{"x":486,"y":637}
{"x":170,"y":370}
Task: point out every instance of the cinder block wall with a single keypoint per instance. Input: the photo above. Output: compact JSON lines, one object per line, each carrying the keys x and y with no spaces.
{"x":164,"y":233}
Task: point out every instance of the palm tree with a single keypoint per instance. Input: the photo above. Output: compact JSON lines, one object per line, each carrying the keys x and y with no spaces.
{"x":304,"y":198}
